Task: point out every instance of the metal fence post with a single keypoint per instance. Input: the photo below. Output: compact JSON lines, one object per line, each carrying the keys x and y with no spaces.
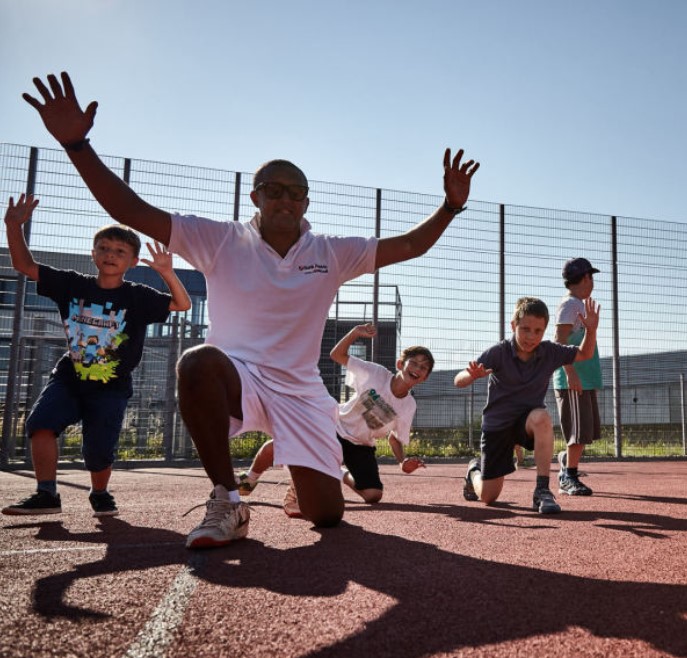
{"x":375,"y":287}
{"x":237,"y":196}
{"x":502,"y":271}
{"x":682,"y":413}
{"x":617,"y":387}
{"x":9,"y":422}
{"x":170,"y":399}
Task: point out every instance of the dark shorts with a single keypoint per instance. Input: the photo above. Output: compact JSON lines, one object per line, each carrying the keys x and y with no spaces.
{"x":100,"y":409}
{"x":579,"y":414}
{"x":497,"y":448}
{"x":361,"y":461}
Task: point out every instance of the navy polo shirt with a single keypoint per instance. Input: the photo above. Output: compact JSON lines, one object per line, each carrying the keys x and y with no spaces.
{"x":516,"y":387}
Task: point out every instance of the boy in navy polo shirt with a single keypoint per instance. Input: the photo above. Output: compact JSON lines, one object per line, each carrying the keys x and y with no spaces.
{"x":519,"y":370}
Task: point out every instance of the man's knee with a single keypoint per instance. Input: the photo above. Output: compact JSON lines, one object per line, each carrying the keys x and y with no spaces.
{"x":319,"y":496}
{"x":327,"y":519}
{"x":197,"y":359}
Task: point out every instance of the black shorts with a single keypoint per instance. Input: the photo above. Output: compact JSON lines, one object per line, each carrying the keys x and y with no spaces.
{"x":361,"y":461}
{"x":579,"y":414}
{"x":101,"y":410}
{"x":497,"y":448}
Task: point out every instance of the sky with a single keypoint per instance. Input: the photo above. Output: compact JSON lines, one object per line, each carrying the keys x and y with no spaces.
{"x":573,"y":105}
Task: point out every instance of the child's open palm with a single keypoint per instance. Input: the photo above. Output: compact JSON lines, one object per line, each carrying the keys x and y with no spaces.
{"x":21,"y":212}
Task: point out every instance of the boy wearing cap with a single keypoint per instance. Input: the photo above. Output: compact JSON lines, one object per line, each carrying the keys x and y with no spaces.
{"x":575,"y":385}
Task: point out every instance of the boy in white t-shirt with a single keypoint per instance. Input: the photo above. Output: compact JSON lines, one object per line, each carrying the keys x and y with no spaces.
{"x":381,"y":406}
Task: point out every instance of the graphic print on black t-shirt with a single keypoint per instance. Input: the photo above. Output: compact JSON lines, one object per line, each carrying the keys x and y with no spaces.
{"x":376,"y":411}
{"x":94,"y":333}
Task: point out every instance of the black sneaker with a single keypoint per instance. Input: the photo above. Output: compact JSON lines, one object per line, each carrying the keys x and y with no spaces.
{"x":41,"y":502}
{"x":572,"y":486}
{"x":469,"y":492}
{"x":103,"y":504}
{"x":545,"y":502}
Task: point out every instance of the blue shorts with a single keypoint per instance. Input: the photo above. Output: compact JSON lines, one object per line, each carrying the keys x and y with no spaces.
{"x":497,"y":448}
{"x":101,"y":410}
{"x":361,"y":462}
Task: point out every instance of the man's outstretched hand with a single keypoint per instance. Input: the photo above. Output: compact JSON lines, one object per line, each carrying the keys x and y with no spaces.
{"x":61,"y":112}
{"x":457,"y":178}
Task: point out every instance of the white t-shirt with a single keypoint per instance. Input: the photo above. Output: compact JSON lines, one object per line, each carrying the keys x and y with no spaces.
{"x":266,"y":310}
{"x":374,"y":410}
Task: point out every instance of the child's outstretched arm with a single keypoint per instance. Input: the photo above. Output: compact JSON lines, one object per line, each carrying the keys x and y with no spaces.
{"x":339,"y":353}
{"x":162,"y":263}
{"x":473,"y":371}
{"x":15,"y":218}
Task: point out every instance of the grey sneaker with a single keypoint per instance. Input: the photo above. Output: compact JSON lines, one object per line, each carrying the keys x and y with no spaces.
{"x":573,"y":487}
{"x":545,"y":502}
{"x":224,"y":523}
{"x":469,"y":492}
{"x":41,"y":502}
{"x":103,"y":504}
{"x":245,"y":484}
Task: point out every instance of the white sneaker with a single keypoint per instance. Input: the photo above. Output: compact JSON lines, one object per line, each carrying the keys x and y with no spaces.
{"x":224,"y":522}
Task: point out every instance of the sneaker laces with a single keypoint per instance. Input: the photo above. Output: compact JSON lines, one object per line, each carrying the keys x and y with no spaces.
{"x":215,"y":513}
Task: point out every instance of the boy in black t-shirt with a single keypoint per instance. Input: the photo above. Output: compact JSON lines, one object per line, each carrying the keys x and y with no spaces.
{"x":105,"y":320}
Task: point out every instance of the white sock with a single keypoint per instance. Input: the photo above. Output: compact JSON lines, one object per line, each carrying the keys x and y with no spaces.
{"x":222,"y":493}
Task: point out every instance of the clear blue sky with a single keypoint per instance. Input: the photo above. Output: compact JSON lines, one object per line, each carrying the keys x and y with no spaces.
{"x":576,"y":104}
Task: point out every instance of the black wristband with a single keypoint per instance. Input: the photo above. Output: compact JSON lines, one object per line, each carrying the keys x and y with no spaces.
{"x":76,"y":146}
{"x":453,"y":211}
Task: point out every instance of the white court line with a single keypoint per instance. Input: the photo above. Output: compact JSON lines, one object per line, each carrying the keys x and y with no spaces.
{"x":76,"y":549}
{"x":160,"y":629}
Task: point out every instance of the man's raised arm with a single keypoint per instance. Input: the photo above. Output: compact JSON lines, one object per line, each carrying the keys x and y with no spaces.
{"x":420,"y":238}
{"x":69,"y":125}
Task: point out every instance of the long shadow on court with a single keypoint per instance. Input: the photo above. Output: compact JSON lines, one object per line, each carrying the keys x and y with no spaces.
{"x":444,"y":601}
{"x":128,"y":548}
{"x":447,"y":601}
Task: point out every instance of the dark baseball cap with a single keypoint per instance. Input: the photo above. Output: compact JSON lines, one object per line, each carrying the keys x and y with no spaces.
{"x":576,"y":268}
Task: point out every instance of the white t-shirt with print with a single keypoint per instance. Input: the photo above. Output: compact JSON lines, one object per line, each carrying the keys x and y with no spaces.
{"x":266,"y":310}
{"x":374,"y":410}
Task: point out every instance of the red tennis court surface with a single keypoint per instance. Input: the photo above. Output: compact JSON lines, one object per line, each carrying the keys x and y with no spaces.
{"x":422,"y":574}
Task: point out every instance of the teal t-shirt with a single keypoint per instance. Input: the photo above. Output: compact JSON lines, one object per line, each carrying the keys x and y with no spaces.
{"x":589,"y":371}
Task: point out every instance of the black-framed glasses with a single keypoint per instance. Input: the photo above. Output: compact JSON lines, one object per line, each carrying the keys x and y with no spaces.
{"x":274,"y":190}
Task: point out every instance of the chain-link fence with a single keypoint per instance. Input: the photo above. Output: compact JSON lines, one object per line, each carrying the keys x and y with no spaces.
{"x":456,"y":300}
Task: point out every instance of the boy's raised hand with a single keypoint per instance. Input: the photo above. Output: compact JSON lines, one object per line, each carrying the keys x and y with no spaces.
{"x":457,"y":178}
{"x":590,"y":320}
{"x":21,"y":212}
{"x":161,"y":258}
{"x":366,"y":330}
{"x":61,"y":112}
{"x":477,"y":370}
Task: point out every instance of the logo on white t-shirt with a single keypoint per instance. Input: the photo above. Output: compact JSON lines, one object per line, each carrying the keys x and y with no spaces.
{"x":377,"y":411}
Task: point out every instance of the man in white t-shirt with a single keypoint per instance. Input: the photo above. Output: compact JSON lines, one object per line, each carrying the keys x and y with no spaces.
{"x":270,"y":284}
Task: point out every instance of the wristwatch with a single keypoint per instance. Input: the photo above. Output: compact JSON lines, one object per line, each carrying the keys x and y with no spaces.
{"x":452,"y":210}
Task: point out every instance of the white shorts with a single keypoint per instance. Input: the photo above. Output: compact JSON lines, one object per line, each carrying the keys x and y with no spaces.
{"x":303,"y":427}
